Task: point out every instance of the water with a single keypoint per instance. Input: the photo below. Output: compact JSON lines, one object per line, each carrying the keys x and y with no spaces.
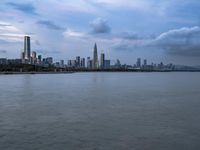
{"x":100,"y":111}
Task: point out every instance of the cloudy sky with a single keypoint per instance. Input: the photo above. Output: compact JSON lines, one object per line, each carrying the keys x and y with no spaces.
{"x":156,"y":30}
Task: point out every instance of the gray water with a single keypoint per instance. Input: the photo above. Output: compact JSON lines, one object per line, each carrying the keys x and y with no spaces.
{"x":100,"y":111}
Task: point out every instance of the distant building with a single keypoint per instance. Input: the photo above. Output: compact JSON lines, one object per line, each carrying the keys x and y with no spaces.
{"x":71,"y":63}
{"x":95,"y":58}
{"x":3,"y":61}
{"x":34,"y":57}
{"x":107,"y":64}
{"x":78,"y":61}
{"x":40,"y":57}
{"x":39,"y":60}
{"x":89,"y":63}
{"x":22,"y":55}
{"x":49,"y":60}
{"x":138,"y":63}
{"x":82,"y":62}
{"x":27,"y":47}
{"x":14,"y":61}
{"x":145,"y":62}
{"x":57,"y":64}
{"x":102,"y":61}
{"x":118,"y":64}
{"x":62,"y":63}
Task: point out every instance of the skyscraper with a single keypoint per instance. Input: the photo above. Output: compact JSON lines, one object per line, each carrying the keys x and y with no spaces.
{"x":27,"y":47}
{"x":89,"y":63}
{"x":145,"y":62}
{"x":22,"y":55}
{"x":34,"y":57}
{"x":107,"y":64}
{"x":138,"y":62}
{"x":82,"y":62}
{"x":95,"y":58}
{"x":102,"y":63}
{"x":78,"y":61}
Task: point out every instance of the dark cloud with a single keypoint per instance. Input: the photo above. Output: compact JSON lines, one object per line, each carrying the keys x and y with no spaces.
{"x":122,"y":47}
{"x":180,"y":42}
{"x":184,"y":41}
{"x":3,"y":51}
{"x":27,"y":8}
{"x":128,"y":45}
{"x":100,"y":26}
{"x":4,"y":25}
{"x":49,"y":24}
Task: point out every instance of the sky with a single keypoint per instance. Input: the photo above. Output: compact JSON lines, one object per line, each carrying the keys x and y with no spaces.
{"x":156,"y":30}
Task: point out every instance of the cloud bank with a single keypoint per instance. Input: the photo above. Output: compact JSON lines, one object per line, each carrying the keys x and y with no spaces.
{"x":183,"y":41}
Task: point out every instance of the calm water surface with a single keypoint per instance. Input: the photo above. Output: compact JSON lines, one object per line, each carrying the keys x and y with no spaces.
{"x":100,"y":111}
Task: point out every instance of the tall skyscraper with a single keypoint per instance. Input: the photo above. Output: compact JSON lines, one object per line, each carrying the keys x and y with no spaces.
{"x":102,"y":62}
{"x":22,"y":55}
{"x":78,"y":61}
{"x":107,"y":64}
{"x":95,"y":58}
{"x":34,"y":55}
{"x":89,"y":63}
{"x":40,"y":57}
{"x":82,"y":62}
{"x":138,"y":62}
{"x":27,"y":47}
{"x":145,"y":62}
{"x":62,"y":63}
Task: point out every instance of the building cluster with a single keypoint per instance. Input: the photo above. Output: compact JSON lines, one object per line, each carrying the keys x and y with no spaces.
{"x":89,"y":63}
{"x":31,"y":58}
{"x":139,"y":65}
{"x":27,"y":57}
{"x":95,"y":63}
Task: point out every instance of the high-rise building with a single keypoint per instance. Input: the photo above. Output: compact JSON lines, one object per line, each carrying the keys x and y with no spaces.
{"x":27,"y":47}
{"x":118,"y":64}
{"x":78,"y":61}
{"x":82,"y":62}
{"x":95,"y":58}
{"x":22,"y":55}
{"x":40,"y":57}
{"x":107,"y":64}
{"x":49,"y":60}
{"x":102,"y":62}
{"x":39,"y":60}
{"x":71,"y":63}
{"x":138,"y":64}
{"x":34,"y":58}
{"x":145,"y":62}
{"x":34,"y":55}
{"x":89,"y":63}
{"x":62,"y":63}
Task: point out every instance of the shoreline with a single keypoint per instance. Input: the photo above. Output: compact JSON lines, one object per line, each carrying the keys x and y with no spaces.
{"x":32,"y":73}
{"x":70,"y":72}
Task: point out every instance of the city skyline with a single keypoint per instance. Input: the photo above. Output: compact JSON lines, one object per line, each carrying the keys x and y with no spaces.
{"x":95,"y":63}
{"x":157,"y":31}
